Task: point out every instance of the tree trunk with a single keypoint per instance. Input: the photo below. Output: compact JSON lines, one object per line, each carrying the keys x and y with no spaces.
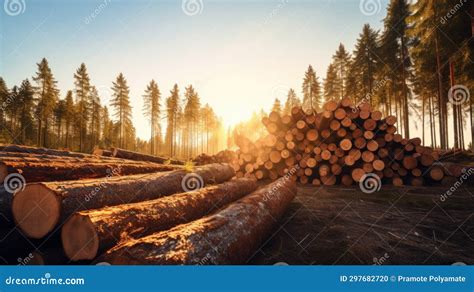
{"x":125,"y":154}
{"x":230,"y":236}
{"x":45,"y":169}
{"x":87,"y":233}
{"x":40,"y":206}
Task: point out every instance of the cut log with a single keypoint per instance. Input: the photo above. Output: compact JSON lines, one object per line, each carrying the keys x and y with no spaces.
{"x":126,"y":154}
{"x":87,"y":233}
{"x":230,"y":236}
{"x":37,"y":150}
{"x":40,"y":206}
{"x":59,"y":170}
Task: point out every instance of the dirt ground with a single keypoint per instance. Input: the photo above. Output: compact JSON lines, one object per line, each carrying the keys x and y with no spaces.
{"x":395,"y":225}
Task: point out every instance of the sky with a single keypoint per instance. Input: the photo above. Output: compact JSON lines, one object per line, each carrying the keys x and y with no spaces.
{"x":239,"y":55}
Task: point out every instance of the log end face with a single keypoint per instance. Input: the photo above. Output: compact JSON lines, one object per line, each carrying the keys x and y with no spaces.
{"x":36,"y":210}
{"x":79,"y":238}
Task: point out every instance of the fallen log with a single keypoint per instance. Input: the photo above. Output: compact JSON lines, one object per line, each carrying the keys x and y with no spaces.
{"x":126,"y":154}
{"x":58,"y":170}
{"x":230,"y":236}
{"x":40,"y":206}
{"x":87,"y":233}
{"x":39,"y":150}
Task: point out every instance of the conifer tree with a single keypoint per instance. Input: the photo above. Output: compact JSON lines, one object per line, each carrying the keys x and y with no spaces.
{"x":123,"y":110}
{"x":151,"y":110}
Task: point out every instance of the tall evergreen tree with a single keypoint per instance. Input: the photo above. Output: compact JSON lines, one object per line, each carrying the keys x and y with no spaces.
{"x":83,"y":102}
{"x":95,"y":113}
{"x":172,"y":110}
{"x":341,"y":61}
{"x":151,"y":109}
{"x":330,"y":83}
{"x":123,"y":110}
{"x":69,"y":116}
{"x":291,"y":101}
{"x":311,"y":90}
{"x":276,"y":106}
{"x":396,"y":61}
{"x":365,"y":63}
{"x":25,"y":119}
{"x":47,"y":94}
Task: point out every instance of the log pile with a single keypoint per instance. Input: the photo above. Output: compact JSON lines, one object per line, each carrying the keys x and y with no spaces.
{"x":341,"y":144}
{"x":224,"y":156}
{"x":39,"y":207}
{"x":230,"y":236}
{"x":136,"y":156}
{"x":87,"y":233}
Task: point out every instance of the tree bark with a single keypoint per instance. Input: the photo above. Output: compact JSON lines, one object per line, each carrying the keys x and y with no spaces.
{"x":46,"y":170}
{"x":87,"y":233}
{"x":40,"y":206}
{"x":230,"y":236}
{"x":125,"y":154}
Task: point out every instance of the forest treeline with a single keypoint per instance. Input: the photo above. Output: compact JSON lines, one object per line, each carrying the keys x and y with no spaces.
{"x":34,"y":113}
{"x":420,"y":66}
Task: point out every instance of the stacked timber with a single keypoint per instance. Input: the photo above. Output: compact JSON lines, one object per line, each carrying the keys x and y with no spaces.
{"x":224,"y":156}
{"x":39,"y":207}
{"x":342,"y":144}
{"x":230,"y":236}
{"x":87,"y":233}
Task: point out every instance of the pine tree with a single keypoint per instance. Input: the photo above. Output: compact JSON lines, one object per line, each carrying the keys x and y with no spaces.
{"x":364,"y":65}
{"x":191,"y":118}
{"x":47,"y":95}
{"x":330,"y":87}
{"x":95,"y":113}
{"x":276,"y":106}
{"x":396,"y":61}
{"x":151,"y":109}
{"x":25,"y":117}
{"x":341,"y":61}
{"x":69,"y":116}
{"x":59,"y":115}
{"x":83,"y":102}
{"x":311,"y":90}
{"x":172,"y":110}
{"x":123,"y":109}
{"x":291,"y":101}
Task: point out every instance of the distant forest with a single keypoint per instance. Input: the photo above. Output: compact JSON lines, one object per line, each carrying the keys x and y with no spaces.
{"x":419,"y":66}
